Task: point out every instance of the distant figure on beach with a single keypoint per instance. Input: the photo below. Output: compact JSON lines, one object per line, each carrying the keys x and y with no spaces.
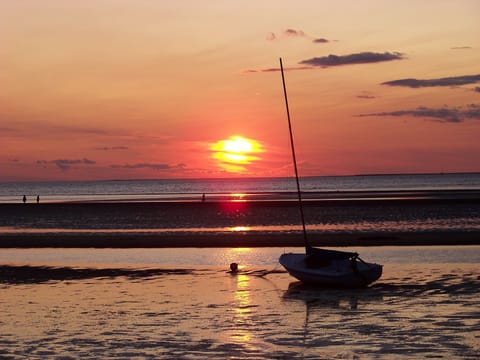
{"x":38,"y":199}
{"x":24,"y":199}
{"x":203,"y":197}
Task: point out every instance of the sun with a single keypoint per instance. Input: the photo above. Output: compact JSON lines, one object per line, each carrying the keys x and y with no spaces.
{"x":238,"y":144}
{"x":235,"y":152}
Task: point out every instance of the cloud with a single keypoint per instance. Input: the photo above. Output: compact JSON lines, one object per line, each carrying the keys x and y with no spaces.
{"x":461,"y":47}
{"x":271,"y":36}
{"x":149,"y":166}
{"x":8,"y":130}
{"x":358,"y":58}
{"x":334,"y":60}
{"x":44,"y":129}
{"x":445,"y":114}
{"x":288,"y":33}
{"x":448,"y":81}
{"x":68,"y":129}
{"x":66,"y":164}
{"x":477,"y":89}
{"x":293,"y":33}
{"x":366,"y":97}
{"x":108,"y":148}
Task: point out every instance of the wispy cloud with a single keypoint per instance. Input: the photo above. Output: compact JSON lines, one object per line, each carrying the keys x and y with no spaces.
{"x":149,"y":166}
{"x":288,"y":33}
{"x":268,"y":70}
{"x":7,"y":129}
{"x":111,"y":148}
{"x":22,"y":127}
{"x":447,"y":81}
{"x":293,"y":33}
{"x":461,"y":47}
{"x":67,"y":129}
{"x":54,"y":132}
{"x":445,"y":114}
{"x":271,"y":36}
{"x":364,"y":96}
{"x":358,"y":58}
{"x":66,"y":164}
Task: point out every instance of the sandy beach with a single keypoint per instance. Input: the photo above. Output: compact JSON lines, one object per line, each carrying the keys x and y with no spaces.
{"x":414,"y":311}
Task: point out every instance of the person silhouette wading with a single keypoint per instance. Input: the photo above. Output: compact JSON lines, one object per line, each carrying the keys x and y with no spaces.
{"x":38,"y":199}
{"x":24,"y":199}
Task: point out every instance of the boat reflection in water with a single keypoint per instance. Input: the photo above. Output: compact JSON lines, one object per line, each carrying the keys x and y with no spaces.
{"x":331,"y":298}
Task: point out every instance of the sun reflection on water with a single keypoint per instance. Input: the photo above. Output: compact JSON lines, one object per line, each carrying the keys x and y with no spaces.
{"x":240,"y":228}
{"x":242,"y":310}
{"x":238,"y":196}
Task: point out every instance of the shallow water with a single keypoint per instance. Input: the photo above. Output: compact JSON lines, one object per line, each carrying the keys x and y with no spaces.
{"x":222,"y":257}
{"x":12,"y":192}
{"x":414,"y":311}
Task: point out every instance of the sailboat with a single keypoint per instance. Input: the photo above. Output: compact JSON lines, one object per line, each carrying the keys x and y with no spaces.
{"x":324,"y":267}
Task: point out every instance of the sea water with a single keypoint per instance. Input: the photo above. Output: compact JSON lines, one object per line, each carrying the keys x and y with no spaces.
{"x":178,"y":189}
{"x":222,"y":257}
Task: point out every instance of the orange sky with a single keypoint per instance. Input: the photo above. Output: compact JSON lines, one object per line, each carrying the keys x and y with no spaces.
{"x":144,"y":89}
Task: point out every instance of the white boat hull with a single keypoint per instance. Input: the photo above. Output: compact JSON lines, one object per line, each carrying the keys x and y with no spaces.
{"x":337,"y":273}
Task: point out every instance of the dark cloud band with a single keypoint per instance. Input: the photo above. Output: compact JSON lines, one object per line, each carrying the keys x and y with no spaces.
{"x":149,"y":166}
{"x":66,"y":164}
{"x":446,"y":114}
{"x":447,"y":81}
{"x":108,"y":148}
{"x":358,"y":58}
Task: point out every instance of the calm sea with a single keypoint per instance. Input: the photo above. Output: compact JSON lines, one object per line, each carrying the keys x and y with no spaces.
{"x":184,"y":189}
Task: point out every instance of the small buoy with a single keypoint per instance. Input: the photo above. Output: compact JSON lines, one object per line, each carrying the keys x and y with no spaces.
{"x":234,"y":267}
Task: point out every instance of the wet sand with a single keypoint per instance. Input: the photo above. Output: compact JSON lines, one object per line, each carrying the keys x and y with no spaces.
{"x":170,"y":224}
{"x":101,"y":239}
{"x":414,"y":311}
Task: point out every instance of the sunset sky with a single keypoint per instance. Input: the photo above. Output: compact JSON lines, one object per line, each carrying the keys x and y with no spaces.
{"x":117,"y":89}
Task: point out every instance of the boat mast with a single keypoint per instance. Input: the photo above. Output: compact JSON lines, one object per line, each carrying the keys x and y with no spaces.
{"x":294,"y":157}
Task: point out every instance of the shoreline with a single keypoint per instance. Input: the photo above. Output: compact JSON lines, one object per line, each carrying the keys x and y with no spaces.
{"x":98,"y":239}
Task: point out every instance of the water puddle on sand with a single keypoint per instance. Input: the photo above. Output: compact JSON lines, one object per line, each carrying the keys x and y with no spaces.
{"x":415,"y":310}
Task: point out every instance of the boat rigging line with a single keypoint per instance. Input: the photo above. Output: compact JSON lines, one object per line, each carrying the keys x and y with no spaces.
{"x":294,"y":157}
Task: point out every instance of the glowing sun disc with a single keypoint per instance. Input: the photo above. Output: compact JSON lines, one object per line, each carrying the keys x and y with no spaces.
{"x":236,"y":150}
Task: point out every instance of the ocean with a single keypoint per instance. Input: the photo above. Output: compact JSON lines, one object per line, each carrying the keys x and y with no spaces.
{"x":183,"y":189}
